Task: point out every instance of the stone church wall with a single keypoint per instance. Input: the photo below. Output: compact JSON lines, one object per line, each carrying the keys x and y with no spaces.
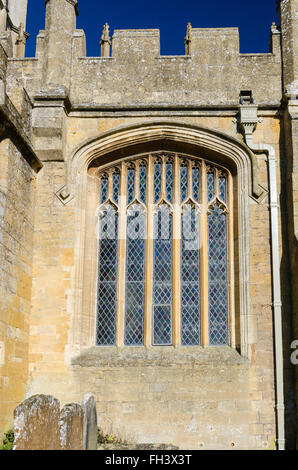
{"x":17,"y":197}
{"x":188,"y":397}
{"x":163,"y":394}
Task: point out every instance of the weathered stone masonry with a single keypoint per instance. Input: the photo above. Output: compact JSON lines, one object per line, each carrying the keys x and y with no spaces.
{"x":63,"y":115}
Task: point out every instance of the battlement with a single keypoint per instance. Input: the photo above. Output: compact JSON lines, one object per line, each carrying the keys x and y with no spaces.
{"x":135,"y":44}
{"x":131,"y":72}
{"x":211,"y":44}
{"x":214,"y":45}
{"x":212,"y":70}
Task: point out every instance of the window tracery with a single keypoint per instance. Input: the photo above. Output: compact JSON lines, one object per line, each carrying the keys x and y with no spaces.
{"x":168,"y":258}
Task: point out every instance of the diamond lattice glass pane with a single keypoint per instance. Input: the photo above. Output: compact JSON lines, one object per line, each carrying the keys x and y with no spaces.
{"x":130,"y":185}
{"x":162,"y":325}
{"x":196,"y":184}
{"x":107,"y":279}
{"x":222,"y":188}
{"x":190,"y":278}
{"x":183,"y":183}
{"x":218,"y":289}
{"x":169,"y":181}
{"x":210,"y":186}
{"x":162,"y":293}
{"x":135,"y":280}
{"x":142,"y":183}
{"x":116,"y":186}
{"x":104,"y":185}
{"x":157,"y":182}
{"x":162,"y":277}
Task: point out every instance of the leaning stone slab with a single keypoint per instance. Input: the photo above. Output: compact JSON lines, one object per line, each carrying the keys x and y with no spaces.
{"x":36,"y":424}
{"x":71,"y":427}
{"x":90,"y":422}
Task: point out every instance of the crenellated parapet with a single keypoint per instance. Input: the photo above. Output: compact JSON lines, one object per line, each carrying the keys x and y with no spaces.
{"x":131,"y":73}
{"x":130,"y":70}
{"x":212,"y":71}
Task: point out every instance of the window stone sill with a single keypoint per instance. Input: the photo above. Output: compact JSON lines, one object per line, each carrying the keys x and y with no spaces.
{"x":159,"y":356}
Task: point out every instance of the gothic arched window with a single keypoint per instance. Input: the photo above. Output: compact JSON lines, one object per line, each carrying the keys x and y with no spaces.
{"x":163,"y":252}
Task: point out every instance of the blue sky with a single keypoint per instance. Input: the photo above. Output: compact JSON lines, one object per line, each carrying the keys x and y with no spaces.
{"x":253,"y":18}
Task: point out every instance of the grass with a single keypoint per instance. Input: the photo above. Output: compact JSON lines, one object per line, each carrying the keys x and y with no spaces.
{"x":7,"y":443}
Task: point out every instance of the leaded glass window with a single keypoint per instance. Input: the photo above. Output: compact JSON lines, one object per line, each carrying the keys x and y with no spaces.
{"x":130,"y":184}
{"x":143,"y":182}
{"x":196,"y":183}
{"x":183,"y":181}
{"x":157,"y":181}
{"x":222,"y":182}
{"x":218,"y":299}
{"x":169,"y":181}
{"x":116,"y":185}
{"x":190,"y":277}
{"x":162,"y":277}
{"x":104,"y":188}
{"x":135,"y":275}
{"x":163,"y":256}
{"x":107,"y":276}
{"x":210,"y":184}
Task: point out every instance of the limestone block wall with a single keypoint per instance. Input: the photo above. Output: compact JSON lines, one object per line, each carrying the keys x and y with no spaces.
{"x":190,"y":398}
{"x":17,"y":69}
{"x":212,"y":398}
{"x":17,"y":191}
{"x":53,"y":265}
{"x":3,"y":64}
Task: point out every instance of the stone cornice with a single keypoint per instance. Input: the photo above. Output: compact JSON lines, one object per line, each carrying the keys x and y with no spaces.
{"x":293,"y":109}
{"x":53,"y":96}
{"x":290,"y":102}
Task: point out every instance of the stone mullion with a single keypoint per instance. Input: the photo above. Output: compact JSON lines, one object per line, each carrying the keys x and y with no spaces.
{"x":176,"y":255}
{"x":110,"y":185}
{"x":230,"y":257}
{"x":204,"y":260}
{"x":121,"y":258}
{"x":149,"y":255}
